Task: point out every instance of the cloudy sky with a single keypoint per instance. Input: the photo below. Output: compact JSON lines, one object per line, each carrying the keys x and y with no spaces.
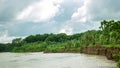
{"x":21,"y":18}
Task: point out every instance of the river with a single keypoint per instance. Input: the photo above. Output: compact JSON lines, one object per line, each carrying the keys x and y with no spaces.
{"x":53,"y":60}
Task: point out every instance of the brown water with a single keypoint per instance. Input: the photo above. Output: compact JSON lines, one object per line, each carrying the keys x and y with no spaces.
{"x":53,"y":60}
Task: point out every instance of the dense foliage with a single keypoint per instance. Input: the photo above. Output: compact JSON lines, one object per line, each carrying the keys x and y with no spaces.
{"x":117,"y":58}
{"x":108,"y":35}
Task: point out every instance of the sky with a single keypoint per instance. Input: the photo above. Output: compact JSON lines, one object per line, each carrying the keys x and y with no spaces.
{"x":21,"y":18}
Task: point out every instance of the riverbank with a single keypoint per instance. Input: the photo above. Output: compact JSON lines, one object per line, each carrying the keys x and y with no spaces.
{"x":62,"y":51}
{"x":101,"y":50}
{"x":111,"y":53}
{"x":93,"y":50}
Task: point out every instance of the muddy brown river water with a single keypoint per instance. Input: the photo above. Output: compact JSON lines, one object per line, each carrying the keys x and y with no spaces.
{"x":53,"y":60}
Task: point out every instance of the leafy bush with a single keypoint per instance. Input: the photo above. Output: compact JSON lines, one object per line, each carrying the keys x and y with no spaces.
{"x":116,"y":57}
{"x":118,"y":64}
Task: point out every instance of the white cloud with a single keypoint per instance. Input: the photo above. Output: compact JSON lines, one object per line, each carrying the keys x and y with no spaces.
{"x":66,"y":29}
{"x":44,"y":10}
{"x":81,"y":14}
{"x":4,"y":38}
{"x":95,"y":10}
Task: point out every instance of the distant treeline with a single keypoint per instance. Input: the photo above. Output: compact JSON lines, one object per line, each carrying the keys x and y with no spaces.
{"x":108,"y":35}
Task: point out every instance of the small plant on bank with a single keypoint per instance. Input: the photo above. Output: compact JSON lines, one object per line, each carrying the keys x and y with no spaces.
{"x":116,"y":57}
{"x":118,"y":64}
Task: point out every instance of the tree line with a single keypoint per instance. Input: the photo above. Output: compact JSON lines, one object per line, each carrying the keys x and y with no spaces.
{"x":108,"y":35}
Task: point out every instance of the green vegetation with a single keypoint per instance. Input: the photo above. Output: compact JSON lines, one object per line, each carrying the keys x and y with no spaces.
{"x":108,"y":35}
{"x":118,"y":63}
{"x":117,"y":58}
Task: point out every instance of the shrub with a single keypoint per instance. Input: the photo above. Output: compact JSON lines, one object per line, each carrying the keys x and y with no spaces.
{"x":118,"y":64}
{"x":116,"y":57}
